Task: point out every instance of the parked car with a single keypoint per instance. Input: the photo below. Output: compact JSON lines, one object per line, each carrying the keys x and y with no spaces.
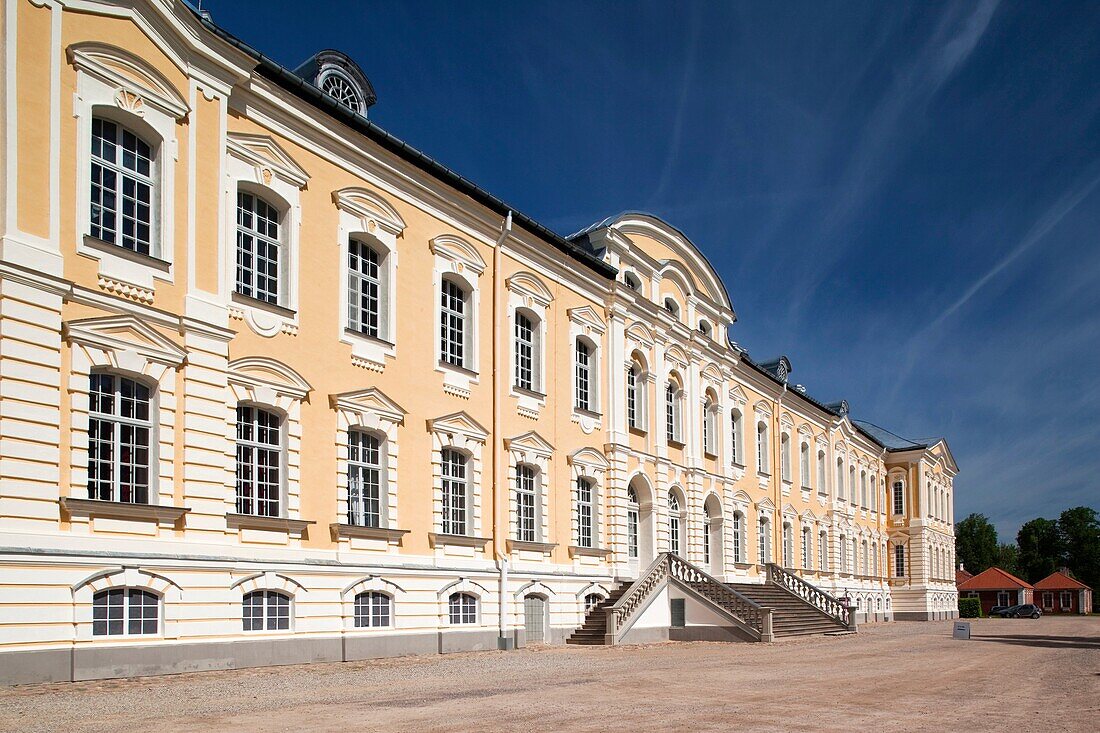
{"x":1028,"y":610}
{"x":1024,"y":610}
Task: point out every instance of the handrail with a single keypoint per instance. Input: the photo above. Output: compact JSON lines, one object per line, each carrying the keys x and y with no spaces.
{"x":819,"y":599}
{"x":756,"y":618}
{"x":749,"y":611}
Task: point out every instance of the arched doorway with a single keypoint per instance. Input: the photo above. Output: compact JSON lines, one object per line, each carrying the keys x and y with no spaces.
{"x":713,"y":554}
{"x":535,"y":621}
{"x":640,"y":525}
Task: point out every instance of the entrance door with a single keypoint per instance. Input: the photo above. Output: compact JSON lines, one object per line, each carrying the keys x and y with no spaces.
{"x":534,"y":619}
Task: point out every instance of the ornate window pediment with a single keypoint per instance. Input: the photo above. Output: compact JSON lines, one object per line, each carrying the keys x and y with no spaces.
{"x":530,"y":287}
{"x":641,"y":334}
{"x":588,"y":319}
{"x":459,"y":251}
{"x":267,"y":381}
{"x":131,"y":343}
{"x":529,"y":447}
{"x":368,"y":408}
{"x":373,"y":210}
{"x":268,"y":157}
{"x":137,"y":82}
{"x":459,"y":423}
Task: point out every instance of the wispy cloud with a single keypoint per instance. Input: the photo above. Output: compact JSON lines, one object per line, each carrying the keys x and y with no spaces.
{"x":883,"y":140}
{"x":686,"y":81}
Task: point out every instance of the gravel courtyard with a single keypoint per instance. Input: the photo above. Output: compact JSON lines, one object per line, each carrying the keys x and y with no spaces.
{"x":1014,"y":675}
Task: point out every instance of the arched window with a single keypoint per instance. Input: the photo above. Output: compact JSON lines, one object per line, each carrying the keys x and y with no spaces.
{"x":852,"y":493}
{"x":123,"y":190}
{"x":899,"y":561}
{"x":125,"y":612}
{"x":373,"y":609}
{"x":454,"y":492}
{"x":340,"y":88}
{"x":366,"y":476}
{"x":764,"y":541}
{"x":821,"y":487}
{"x":526,"y":356}
{"x":705,"y":328}
{"x":258,"y":248}
{"x":452,"y":323}
{"x":631,"y":281}
{"x":736,"y":457}
{"x":266,"y":610}
{"x":633,"y":398}
{"x":674,"y":524}
{"x":583,"y":386}
{"x":738,"y":543}
{"x":462,"y":608}
{"x":843,"y":554}
{"x":526,"y":503}
{"x":366,"y":292}
{"x":591,"y":601}
{"x":840,"y":479}
{"x":672,"y":307}
{"x":804,"y":474}
{"x":823,"y":551}
{"x":120,"y":426}
{"x":785,"y":457}
{"x":710,"y":426}
{"x":807,"y":549}
{"x":673,"y":396}
{"x":899,"y":497}
{"x":259,"y":461}
{"x":863,"y":489}
{"x":873,"y":482}
{"x":788,"y":545}
{"x":631,"y":523}
{"x":706,"y":535}
{"x":763,"y":464}
{"x":586,"y":513}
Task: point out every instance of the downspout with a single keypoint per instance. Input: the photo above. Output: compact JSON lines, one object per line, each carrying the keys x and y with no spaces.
{"x":499,"y":524}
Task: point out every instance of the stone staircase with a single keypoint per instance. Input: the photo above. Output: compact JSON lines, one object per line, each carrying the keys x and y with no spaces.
{"x":594,"y":630}
{"x":791,"y":615}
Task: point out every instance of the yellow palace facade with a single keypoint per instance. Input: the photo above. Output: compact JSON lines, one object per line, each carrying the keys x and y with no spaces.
{"x":276,"y":387}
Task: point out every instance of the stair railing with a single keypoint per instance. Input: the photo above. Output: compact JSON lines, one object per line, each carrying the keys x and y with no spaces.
{"x":756,"y":618}
{"x":751,"y":613}
{"x":620,"y":615}
{"x":832,"y":607}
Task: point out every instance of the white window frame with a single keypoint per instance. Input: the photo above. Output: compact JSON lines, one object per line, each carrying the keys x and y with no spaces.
{"x":807,"y":548}
{"x":528,"y":506}
{"x":899,"y":561}
{"x":584,"y":358}
{"x":763,"y":540}
{"x":711,"y":433}
{"x":128,"y":609}
{"x":737,"y":437}
{"x":123,"y":88}
{"x":462,"y":433}
{"x":529,"y":295}
{"x":255,"y":445}
{"x":459,"y":261}
{"x":763,"y":448}
{"x":585,"y":323}
{"x":674,"y":398}
{"x":266,"y":617}
{"x":737,"y":535}
{"x":676,"y":523}
{"x":371,"y":616}
{"x":464,"y":617}
{"x":897,"y":496}
{"x":785,"y":457}
{"x":117,"y":421}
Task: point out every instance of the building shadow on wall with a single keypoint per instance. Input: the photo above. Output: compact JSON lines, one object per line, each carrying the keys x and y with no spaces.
{"x":1047,"y":642}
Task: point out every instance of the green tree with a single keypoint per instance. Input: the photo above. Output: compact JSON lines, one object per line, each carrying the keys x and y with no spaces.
{"x":976,"y":543}
{"x":1079,"y":529}
{"x":1008,"y":558}
{"x":1040,"y":544}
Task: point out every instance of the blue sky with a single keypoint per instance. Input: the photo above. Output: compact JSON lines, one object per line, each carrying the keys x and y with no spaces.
{"x":903,"y":198}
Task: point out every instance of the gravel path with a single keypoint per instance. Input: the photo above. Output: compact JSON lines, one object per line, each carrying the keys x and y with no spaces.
{"x":1014,"y":675}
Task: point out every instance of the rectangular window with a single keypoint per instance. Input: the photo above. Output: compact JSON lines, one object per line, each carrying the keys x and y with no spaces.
{"x":735,"y":438}
{"x":585,"y":514}
{"x":1066,"y":600}
{"x":1048,"y":601}
{"x":122,"y":187}
{"x":899,"y":497}
{"x":584,"y":367}
{"x":526,"y":496}
{"x":632,"y":533}
{"x":452,"y":324}
{"x":821,"y":488}
{"x":259,"y":461}
{"x":454,"y":492}
{"x":785,"y":458}
{"x":364,"y":289}
{"x":364,"y":479}
{"x":671,"y":417}
{"x":738,"y":553}
{"x":807,"y":562}
{"x":899,"y":561}
{"x":119,"y":431}
{"x":823,"y":552}
{"x":525,"y":353}
{"x":257,"y":248}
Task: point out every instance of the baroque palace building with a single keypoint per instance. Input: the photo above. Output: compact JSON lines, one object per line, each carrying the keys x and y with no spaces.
{"x":276,"y":387}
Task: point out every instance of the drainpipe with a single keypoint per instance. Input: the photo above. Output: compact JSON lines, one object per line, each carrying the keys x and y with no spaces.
{"x":499,"y":524}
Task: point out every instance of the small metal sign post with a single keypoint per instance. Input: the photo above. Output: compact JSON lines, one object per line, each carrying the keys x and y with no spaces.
{"x":962,"y":630}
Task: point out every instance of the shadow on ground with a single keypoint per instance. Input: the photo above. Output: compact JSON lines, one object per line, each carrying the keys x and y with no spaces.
{"x":1048,"y":642}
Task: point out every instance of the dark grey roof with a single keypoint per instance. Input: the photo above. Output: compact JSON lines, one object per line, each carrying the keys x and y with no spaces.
{"x":893,"y":441}
{"x":311,"y":67}
{"x":301,"y":88}
{"x":779,"y":368}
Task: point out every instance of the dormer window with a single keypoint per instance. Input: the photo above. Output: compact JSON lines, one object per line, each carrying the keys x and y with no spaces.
{"x":340,"y":88}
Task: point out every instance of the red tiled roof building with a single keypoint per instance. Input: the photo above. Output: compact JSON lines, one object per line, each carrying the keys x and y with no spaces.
{"x":995,"y":587}
{"x":1060,"y":593}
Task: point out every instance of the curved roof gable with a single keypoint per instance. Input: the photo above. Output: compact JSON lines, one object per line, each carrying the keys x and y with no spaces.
{"x":685,"y":255}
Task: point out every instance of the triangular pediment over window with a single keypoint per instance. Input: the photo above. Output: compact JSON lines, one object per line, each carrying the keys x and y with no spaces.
{"x":459,"y":423}
{"x":530,"y":442}
{"x":121,"y":334}
{"x":370,"y":401}
{"x":266,"y":155}
{"x":587,"y":317}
